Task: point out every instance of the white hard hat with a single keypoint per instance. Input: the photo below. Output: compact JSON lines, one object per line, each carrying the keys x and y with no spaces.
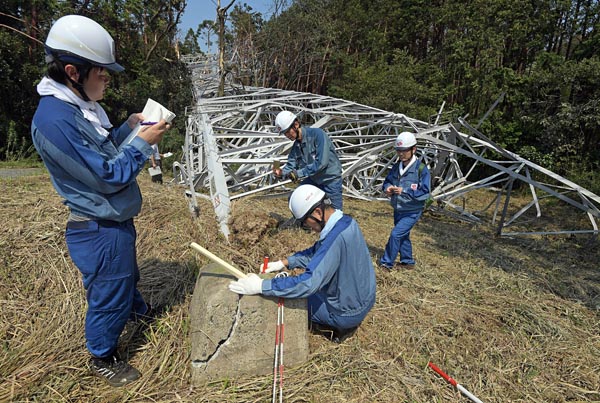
{"x":304,"y":200}
{"x":283,"y":121}
{"x":405,"y":141}
{"x":75,"y":38}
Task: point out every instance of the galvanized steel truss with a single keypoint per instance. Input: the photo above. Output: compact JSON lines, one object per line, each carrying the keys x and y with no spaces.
{"x":231,"y":145}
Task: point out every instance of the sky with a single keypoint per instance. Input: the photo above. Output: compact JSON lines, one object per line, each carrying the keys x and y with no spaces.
{"x":197,"y":11}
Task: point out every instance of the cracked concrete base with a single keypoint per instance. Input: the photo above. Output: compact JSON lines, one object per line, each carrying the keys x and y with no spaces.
{"x":233,"y":336}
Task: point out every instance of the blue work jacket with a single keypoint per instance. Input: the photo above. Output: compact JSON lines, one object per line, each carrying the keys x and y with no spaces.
{"x":338,"y":267}
{"x":96,"y":179}
{"x":415,"y":187}
{"x":314,"y":156}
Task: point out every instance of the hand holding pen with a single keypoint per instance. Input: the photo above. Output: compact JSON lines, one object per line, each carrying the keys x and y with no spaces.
{"x":153,"y":132}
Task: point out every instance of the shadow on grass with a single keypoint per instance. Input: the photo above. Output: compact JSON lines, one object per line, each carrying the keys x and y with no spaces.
{"x":562,"y":265}
{"x":163,"y":284}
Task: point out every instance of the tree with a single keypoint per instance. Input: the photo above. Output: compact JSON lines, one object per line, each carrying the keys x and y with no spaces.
{"x":145,"y":40}
{"x":221,"y":17}
{"x":205,"y":29}
{"x":246,"y":25}
{"x":190,"y":43}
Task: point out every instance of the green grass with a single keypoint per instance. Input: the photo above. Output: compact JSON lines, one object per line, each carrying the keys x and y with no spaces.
{"x":22,"y":164}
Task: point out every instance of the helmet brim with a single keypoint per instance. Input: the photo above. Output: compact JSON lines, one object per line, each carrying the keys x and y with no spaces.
{"x":282,"y":131}
{"x":114,"y":67}
{"x":403,"y":148}
{"x":68,"y":57}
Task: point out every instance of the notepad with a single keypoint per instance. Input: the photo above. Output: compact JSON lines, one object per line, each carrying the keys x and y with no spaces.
{"x":154,"y":112}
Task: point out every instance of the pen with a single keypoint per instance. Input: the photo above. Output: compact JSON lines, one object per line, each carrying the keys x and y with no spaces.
{"x":148,"y":123}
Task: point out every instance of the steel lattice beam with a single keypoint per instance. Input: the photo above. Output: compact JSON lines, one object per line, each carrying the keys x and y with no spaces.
{"x":231,"y":145}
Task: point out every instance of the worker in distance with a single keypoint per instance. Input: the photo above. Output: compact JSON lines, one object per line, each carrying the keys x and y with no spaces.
{"x":408,"y":186}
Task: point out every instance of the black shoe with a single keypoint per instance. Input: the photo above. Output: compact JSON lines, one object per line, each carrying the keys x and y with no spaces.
{"x":405,"y":266}
{"x":114,"y":370}
{"x":319,"y":328}
{"x":342,"y":334}
{"x":333,"y":334}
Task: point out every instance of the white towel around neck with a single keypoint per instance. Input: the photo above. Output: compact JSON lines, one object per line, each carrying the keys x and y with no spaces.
{"x":404,"y":168}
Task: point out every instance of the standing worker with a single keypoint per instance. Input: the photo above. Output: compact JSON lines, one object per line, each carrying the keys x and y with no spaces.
{"x":156,"y":162}
{"x":338,"y":278}
{"x":408,"y":185}
{"x":97,"y":180}
{"x":312,"y":159}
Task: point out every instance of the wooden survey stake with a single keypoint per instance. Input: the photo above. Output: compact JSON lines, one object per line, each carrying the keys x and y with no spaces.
{"x":237,"y":273}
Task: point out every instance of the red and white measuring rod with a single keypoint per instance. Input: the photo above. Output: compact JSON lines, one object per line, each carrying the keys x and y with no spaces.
{"x":457,"y":385}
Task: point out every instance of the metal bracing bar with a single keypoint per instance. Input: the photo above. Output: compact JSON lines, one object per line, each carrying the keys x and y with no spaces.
{"x":262,"y":189}
{"x":566,"y":232}
{"x":533,"y":194}
{"x":509,"y":186}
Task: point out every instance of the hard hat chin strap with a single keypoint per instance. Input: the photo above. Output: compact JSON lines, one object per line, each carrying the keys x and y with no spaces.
{"x":78,"y":85}
{"x":325,"y":202}
{"x":82,"y":70}
{"x":322,"y":222}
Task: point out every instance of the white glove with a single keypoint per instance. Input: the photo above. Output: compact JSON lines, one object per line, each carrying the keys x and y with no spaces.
{"x":250,"y":285}
{"x":274,"y":266}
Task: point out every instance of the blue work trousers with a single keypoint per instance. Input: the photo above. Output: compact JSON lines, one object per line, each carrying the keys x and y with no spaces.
{"x":333,"y":190}
{"x":319,"y":312}
{"x":105,"y":254}
{"x":399,"y":241}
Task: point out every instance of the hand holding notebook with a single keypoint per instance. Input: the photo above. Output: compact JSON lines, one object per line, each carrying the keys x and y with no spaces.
{"x":153,"y":113}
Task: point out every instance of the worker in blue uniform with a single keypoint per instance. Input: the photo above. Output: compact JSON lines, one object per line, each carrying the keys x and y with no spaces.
{"x":95,"y":174}
{"x":338,"y":279}
{"x":312,"y":160}
{"x":408,"y":186}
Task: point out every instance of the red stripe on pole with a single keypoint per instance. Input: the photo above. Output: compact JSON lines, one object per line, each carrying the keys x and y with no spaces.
{"x":442,"y":373}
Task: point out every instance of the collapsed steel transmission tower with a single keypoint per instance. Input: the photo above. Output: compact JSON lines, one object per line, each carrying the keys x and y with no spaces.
{"x":231,"y":146}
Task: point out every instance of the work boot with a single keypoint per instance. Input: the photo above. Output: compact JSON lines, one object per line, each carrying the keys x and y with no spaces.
{"x":340,"y":335}
{"x":333,"y":334}
{"x":404,"y":266}
{"x":384,"y":266}
{"x":114,"y":370}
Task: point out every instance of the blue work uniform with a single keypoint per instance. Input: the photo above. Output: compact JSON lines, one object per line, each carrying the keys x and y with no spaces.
{"x":315,"y":159}
{"x":408,"y":207}
{"x":339,"y":279}
{"x":97,"y":181}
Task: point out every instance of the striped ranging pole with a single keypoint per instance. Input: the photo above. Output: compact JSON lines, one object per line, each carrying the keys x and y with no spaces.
{"x":458,"y":386}
{"x":278,"y":365}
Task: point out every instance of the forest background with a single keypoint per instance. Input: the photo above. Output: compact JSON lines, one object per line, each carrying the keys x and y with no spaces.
{"x":537,"y":59}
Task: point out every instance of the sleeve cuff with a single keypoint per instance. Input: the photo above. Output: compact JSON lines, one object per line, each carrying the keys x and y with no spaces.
{"x":142,"y":145}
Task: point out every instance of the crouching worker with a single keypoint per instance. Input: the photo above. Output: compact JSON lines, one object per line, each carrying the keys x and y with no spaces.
{"x":339,"y":279}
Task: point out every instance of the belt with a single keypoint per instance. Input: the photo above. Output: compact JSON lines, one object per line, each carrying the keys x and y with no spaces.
{"x":100,"y":223}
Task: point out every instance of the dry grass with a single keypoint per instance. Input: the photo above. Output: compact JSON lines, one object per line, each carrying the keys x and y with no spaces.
{"x":512,"y":320}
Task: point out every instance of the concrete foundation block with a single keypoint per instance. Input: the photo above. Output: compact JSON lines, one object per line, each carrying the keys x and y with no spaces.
{"x":233,"y":336}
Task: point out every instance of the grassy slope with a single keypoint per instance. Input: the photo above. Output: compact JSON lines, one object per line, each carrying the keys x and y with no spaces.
{"x":511,"y":320}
